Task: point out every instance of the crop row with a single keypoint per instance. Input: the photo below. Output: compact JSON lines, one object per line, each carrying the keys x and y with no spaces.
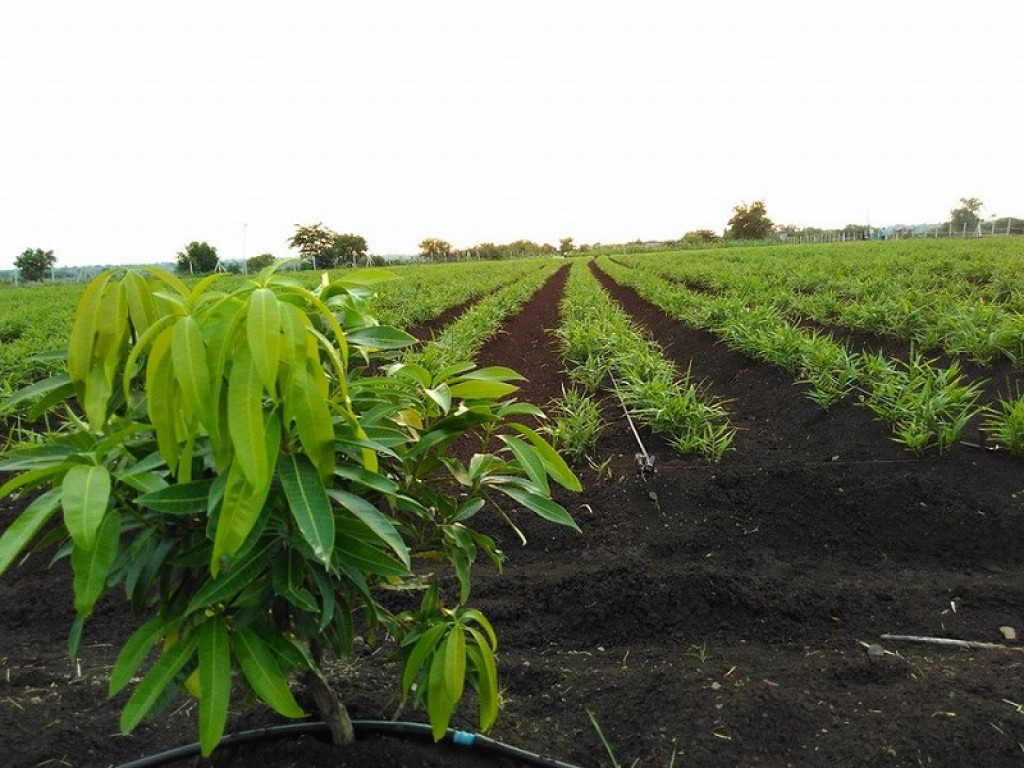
{"x":925,"y":404}
{"x":961,"y":298}
{"x":605,"y":348}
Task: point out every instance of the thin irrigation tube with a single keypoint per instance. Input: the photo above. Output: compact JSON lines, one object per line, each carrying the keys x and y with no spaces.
{"x":362,"y":728}
{"x":648,"y":461}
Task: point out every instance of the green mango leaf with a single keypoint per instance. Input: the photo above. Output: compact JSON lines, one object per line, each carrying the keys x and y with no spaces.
{"x":180,"y":499}
{"x":85,"y":493}
{"x":426,"y":644}
{"x":84,"y":329}
{"x":214,"y":683}
{"x":482,"y":390}
{"x":135,"y":651}
{"x":553,"y":463}
{"x":375,"y":520}
{"x":542,"y":505}
{"x":263,"y":328}
{"x":493,"y":373}
{"x":306,"y":405}
{"x":440,"y":706}
{"x":153,"y":685}
{"x":161,"y":397}
{"x":262,"y":673}
{"x":92,"y":566}
{"x":227,"y":585}
{"x":311,"y":509}
{"x":188,"y":357}
{"x":380,"y":337}
{"x":530,"y":460}
{"x":245,"y":418}
{"x":26,"y":526}
{"x":367,"y":479}
{"x":482,"y":659}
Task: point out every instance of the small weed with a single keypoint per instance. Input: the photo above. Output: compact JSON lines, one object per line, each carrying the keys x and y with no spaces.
{"x":700,"y":652}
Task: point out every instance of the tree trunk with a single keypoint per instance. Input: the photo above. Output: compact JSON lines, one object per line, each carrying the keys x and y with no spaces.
{"x":331,"y":709}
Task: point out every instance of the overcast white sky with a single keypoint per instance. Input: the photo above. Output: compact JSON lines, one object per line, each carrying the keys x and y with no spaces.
{"x":129,"y":128}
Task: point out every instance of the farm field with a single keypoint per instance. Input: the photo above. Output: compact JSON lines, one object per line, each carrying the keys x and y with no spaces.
{"x":711,"y":613}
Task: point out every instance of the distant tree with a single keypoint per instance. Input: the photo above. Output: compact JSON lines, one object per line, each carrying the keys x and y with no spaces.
{"x":345,"y":249}
{"x":197,"y":259}
{"x":750,"y":222}
{"x":699,"y":237}
{"x":967,"y":214}
{"x":256,"y":263}
{"x":565,"y":246}
{"x":435,"y":249}
{"x":313,"y":241}
{"x":34,"y":263}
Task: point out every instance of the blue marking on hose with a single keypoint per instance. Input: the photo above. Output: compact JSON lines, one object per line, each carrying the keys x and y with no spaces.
{"x":463,"y":738}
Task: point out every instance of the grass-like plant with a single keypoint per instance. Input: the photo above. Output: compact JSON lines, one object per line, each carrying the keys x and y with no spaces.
{"x":1005,"y":425}
{"x":228,"y":463}
{"x":575,"y":424}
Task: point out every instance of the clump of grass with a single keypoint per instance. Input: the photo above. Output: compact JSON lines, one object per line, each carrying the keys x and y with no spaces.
{"x":576,"y":424}
{"x":1005,"y":425}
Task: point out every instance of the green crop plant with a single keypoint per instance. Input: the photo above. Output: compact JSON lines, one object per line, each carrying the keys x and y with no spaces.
{"x":227,"y":462}
{"x":575,"y":424}
{"x":1005,"y":425}
{"x":928,"y":406}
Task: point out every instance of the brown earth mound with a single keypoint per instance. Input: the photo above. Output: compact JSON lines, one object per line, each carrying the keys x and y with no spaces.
{"x":709,"y":615}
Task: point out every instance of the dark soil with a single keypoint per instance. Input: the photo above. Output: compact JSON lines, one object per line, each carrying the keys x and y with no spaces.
{"x":708,"y":615}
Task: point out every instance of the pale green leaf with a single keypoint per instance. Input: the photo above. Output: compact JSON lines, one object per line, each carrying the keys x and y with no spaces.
{"x":553,"y":463}
{"x":543,"y":506}
{"x":245,"y":418}
{"x":375,"y":520}
{"x":85,"y":493}
{"x":134,"y":652}
{"x":263,"y":329}
{"x":92,"y":567}
{"x":188,"y":355}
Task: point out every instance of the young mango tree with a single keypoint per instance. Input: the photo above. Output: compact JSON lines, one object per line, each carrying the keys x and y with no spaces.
{"x":229,"y":461}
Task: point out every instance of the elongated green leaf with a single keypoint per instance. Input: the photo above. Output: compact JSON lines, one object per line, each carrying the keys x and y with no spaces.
{"x":374,"y":519}
{"x":188,"y":355}
{"x":229,"y":584}
{"x":493,"y":373}
{"x":214,"y":683}
{"x":367,"y":479}
{"x":482,"y":659}
{"x":92,"y":566}
{"x":529,"y":460}
{"x":134,"y":652}
{"x":161,"y":398}
{"x":426,"y":644}
{"x":60,"y":382}
{"x":159,"y":677}
{"x":245,"y":418}
{"x":543,"y":506}
{"x":263,"y":328}
{"x":440,"y":706}
{"x":261,"y":672}
{"x":141,"y":306}
{"x":307,"y":407}
{"x":380,"y":337}
{"x":85,"y":493}
{"x":353,"y":551}
{"x":481,"y":390}
{"x":307,"y":499}
{"x":240,"y":508}
{"x":83,"y":331}
{"x":455,"y":662}
{"x":26,"y":526}
{"x":553,"y":463}
{"x":180,"y":499}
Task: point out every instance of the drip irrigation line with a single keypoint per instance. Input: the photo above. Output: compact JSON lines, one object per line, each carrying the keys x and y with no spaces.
{"x":648,"y":460}
{"x":362,"y":728}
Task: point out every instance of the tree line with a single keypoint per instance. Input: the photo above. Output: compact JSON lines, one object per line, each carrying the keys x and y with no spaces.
{"x":320,"y":247}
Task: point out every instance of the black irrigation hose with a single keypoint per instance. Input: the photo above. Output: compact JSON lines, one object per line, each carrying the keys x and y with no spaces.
{"x":362,"y":728}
